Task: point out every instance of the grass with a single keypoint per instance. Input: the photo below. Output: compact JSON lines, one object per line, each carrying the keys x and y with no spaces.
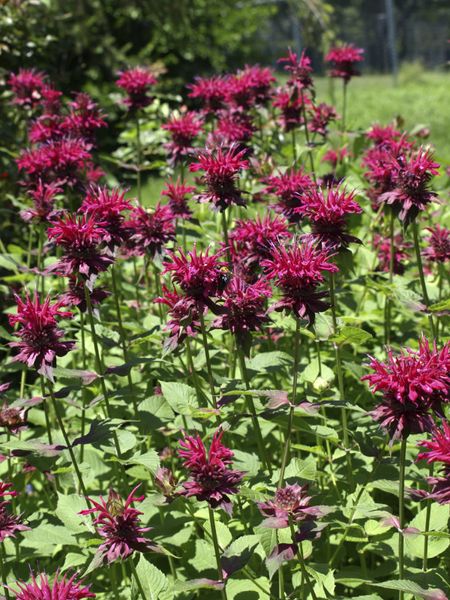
{"x":420,"y":98}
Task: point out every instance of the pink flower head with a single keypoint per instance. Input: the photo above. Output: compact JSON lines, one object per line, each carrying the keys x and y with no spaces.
{"x":177,"y":193}
{"x":344,"y":60}
{"x":183,"y":130}
{"x":438,"y":248}
{"x":43,"y":195}
{"x":150,"y":230}
{"x":413,"y":383}
{"x":289,"y":188}
{"x":291,"y":503}
{"x":322,"y":115}
{"x":199,"y":274}
{"x":410,"y":180}
{"x":27,"y":86}
{"x":290,"y":103}
{"x":438,"y":450}
{"x":46,"y":128}
{"x":136,"y":83}
{"x":252,"y":240}
{"x":299,"y":68}
{"x":211,"y":479}
{"x":328,"y":210}
{"x":63,"y":588}
{"x":383,"y":247}
{"x":184,"y":313}
{"x":117,"y":522}
{"x":80,"y":237}
{"x":233,"y":126}
{"x":243,"y":308}
{"x":63,"y":161}
{"x":108,"y":207}
{"x":221,"y":169}
{"x":298,"y":270}
{"x":383,"y":135}
{"x":75,"y":295}
{"x":40,"y":339}
{"x":210,"y":91}
{"x":335,"y":157}
{"x":257,"y":81}
{"x":84,"y":118}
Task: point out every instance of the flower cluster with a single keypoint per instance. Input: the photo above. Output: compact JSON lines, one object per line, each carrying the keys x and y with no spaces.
{"x":150,"y":230}
{"x":64,"y":588}
{"x":289,"y":188}
{"x":344,"y":60}
{"x":183,"y":130}
{"x":438,"y":245}
{"x":177,"y":193}
{"x":438,"y":451}
{"x":137,"y":83}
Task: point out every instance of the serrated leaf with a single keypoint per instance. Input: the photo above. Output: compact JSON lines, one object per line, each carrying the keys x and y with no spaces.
{"x":153,"y":581}
{"x":67,"y":511}
{"x":351,"y":335}
{"x":181,"y":397}
{"x":149,"y":460}
{"x":410,"y":587}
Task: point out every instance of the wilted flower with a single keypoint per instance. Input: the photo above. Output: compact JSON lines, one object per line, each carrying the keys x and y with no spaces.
{"x":410,"y":177}
{"x":290,"y":504}
{"x":183,"y":130}
{"x":27,"y":86}
{"x":211,"y":479}
{"x":299,"y":68}
{"x":383,"y":247}
{"x":252,"y":240}
{"x":117,"y":522}
{"x":12,"y":418}
{"x":438,"y":450}
{"x":414,"y":384}
{"x":438,"y":248}
{"x":61,"y":589}
{"x":221,"y":169}
{"x":298,"y":270}
{"x":199,"y":274}
{"x":177,"y":193}
{"x":289,"y":188}
{"x":80,"y":238}
{"x":136,"y":83}
{"x":211,"y":92}
{"x":321,"y":116}
{"x":43,"y":195}
{"x":40,"y":338}
{"x":184,"y":313}
{"x":328,"y":211}
{"x":344,"y":60}
{"x":108,"y":207}
{"x":150,"y":230}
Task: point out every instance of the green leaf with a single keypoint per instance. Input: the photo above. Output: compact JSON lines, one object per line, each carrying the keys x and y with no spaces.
{"x":46,"y":537}
{"x":351,"y":335}
{"x":153,"y":581}
{"x":438,"y":522}
{"x":149,"y":460}
{"x":410,"y":587}
{"x":68,"y":509}
{"x":442,"y":306}
{"x":302,"y":468}
{"x":181,"y":397}
{"x":269,"y":360}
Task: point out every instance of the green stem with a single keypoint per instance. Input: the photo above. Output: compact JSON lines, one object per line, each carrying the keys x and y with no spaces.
{"x":225,"y":237}
{"x":73,"y":458}
{"x":100,"y":366}
{"x":422,"y":276}
{"x":208,"y":360}
{"x":305,"y":125}
{"x":401,"y":511}
{"x":427,"y":527}
{"x":122,"y":337}
{"x":388,"y":305}
{"x":137,"y":580}
{"x":216,"y":548}
{"x":251,"y":407}
{"x":139,"y":158}
{"x":287,"y":441}
{"x":83,"y":389}
{"x":294,"y":145}
{"x":3,"y":570}
{"x":301,"y":560}
{"x":193,"y":372}
{"x":344,"y":106}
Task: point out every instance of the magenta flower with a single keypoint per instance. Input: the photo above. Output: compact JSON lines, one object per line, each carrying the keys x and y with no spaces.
{"x":252,"y":85}
{"x":321,"y":116}
{"x":61,"y":589}
{"x":137,"y":83}
{"x":84,"y":118}
{"x":184,"y":313}
{"x":290,"y":103}
{"x":381,"y":135}
{"x":344,"y":60}
{"x":401,"y":254}
{"x":243,"y":308}
{"x":335,"y":157}
{"x":46,"y":128}
{"x":410,"y":177}
{"x":75,"y":295}
{"x":43,"y":196}
{"x":289,"y":188}
{"x":117,"y":522}
{"x":233,"y":126}
{"x":438,"y":450}
{"x":252,"y":241}
{"x":290,"y":504}
{"x":27,"y":86}
{"x":150,"y":230}
{"x":199,"y":274}
{"x":438,"y":248}
{"x":414,"y":384}
{"x":211,"y":478}
{"x":80,"y":237}
{"x":210,"y":92}
{"x":298,"y":270}
{"x":40,"y":338}
{"x":299,"y":68}
{"x":328,"y":210}
{"x":177,"y":193}
{"x":108,"y":207}
{"x":183,"y":130}
{"x":221,"y":169}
